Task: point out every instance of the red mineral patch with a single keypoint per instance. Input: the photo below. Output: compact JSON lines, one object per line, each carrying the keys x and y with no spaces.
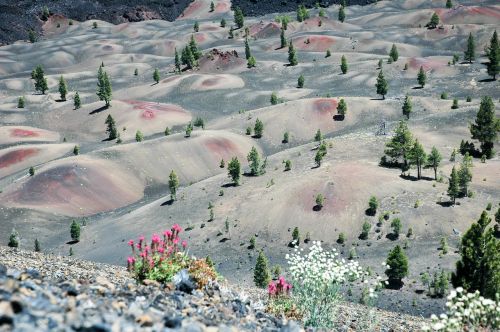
{"x":23,"y":133}
{"x":200,"y":37}
{"x":314,"y":43}
{"x":222,"y":7}
{"x":16,"y":156}
{"x":210,"y":82}
{"x":325,"y":106}
{"x":222,"y":147}
{"x":149,"y":109}
{"x":427,"y":64}
{"x":265,"y":31}
{"x":191,"y":10}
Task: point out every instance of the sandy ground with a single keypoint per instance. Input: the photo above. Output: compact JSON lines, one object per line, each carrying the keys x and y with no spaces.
{"x":121,"y":190}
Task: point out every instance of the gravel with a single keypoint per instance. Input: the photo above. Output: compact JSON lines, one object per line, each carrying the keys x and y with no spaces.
{"x":40,"y":292}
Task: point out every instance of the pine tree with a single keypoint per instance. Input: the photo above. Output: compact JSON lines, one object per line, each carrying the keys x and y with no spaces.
{"x":253,"y":159}
{"x":407,"y":107}
{"x":173,"y":185}
{"x":342,"y":108}
{"x":258,"y":128}
{"x":328,"y":53}
{"x":76,"y":150}
{"x":296,"y":236}
{"x":31,"y":171}
{"x":251,"y":62}
{"x":139,"y":137}
{"x":318,"y":137}
{"x":421,"y":77}
{"x":189,"y":129}
{"x":37,"y":246}
{"x":454,"y":185}
{"x":470,"y":52}
{"x":282,"y":38}
{"x":465,"y":174}
{"x":449,"y":4}
{"x":223,"y":23}
{"x":486,"y":127}
{"x":40,"y":81}
{"x":262,"y":275}
{"x":76,"y":101}
{"x":156,"y":76}
{"x":341,"y":14}
{"x":479,"y":266}
{"x":434,"y":22}
{"x":493,"y":53}
{"x":194,"y":48}
{"x":196,"y":26}
{"x":434,"y":160}
{"x":393,"y":54}
{"x":292,"y":55}
{"x":111,"y":128}
{"x":418,"y":157}
{"x":239,"y":18}
{"x":274,"y":98}
{"x":13,"y":239}
{"x":400,"y":145}
{"x":248,"y":54}
{"x":286,"y":137}
{"x":212,"y":6}
{"x":234,"y":170}
{"x":75,"y":231}
{"x":372,"y":206}
{"x":104,"y":91}
{"x":398,"y":267}
{"x":320,"y":154}
{"x":300,"y":81}
{"x":177,"y":62}
{"x":343,"y":65}
{"x":20,"y":102}
{"x":302,"y":13}
{"x":396,"y":227}
{"x":63,"y":88}
{"x":381,"y":85}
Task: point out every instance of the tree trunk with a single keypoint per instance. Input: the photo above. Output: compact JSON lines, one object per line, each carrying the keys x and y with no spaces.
{"x":435,"y":173}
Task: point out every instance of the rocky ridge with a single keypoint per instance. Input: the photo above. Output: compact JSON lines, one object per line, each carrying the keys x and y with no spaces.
{"x":53,"y":293}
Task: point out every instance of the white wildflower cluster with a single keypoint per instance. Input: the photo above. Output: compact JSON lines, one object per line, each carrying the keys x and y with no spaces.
{"x":466,"y":312}
{"x":317,"y":277}
{"x":319,"y":267}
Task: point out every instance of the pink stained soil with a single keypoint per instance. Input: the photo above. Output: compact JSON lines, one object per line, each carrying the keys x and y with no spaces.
{"x":23,"y":133}
{"x":200,"y":37}
{"x":427,"y":64}
{"x":221,"y":147}
{"x":317,"y":43}
{"x":210,"y":82}
{"x":192,"y":9}
{"x":150,"y":109}
{"x":461,"y":11}
{"x":305,"y":195}
{"x":71,"y":187}
{"x":16,"y":156}
{"x":222,"y":7}
{"x":171,"y":79}
{"x":260,"y":30}
{"x":325,"y":107}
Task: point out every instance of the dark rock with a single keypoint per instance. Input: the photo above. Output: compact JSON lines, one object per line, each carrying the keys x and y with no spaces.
{"x":3,"y":271}
{"x":173,"y":322}
{"x":183,"y":282}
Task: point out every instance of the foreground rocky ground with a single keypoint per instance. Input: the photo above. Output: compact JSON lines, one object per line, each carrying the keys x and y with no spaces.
{"x":52,"y":293}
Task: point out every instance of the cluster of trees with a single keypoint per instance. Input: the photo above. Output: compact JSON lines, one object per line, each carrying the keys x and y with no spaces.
{"x":406,"y":151}
{"x":189,"y":56}
{"x":459,"y":179}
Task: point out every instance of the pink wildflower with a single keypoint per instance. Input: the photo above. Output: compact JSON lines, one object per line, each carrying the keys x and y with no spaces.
{"x":176,"y":240}
{"x":184,"y":244}
{"x":131,"y":243}
{"x":155,"y":238}
{"x":161,"y":250}
{"x":130,"y":260}
{"x":141,"y":238}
